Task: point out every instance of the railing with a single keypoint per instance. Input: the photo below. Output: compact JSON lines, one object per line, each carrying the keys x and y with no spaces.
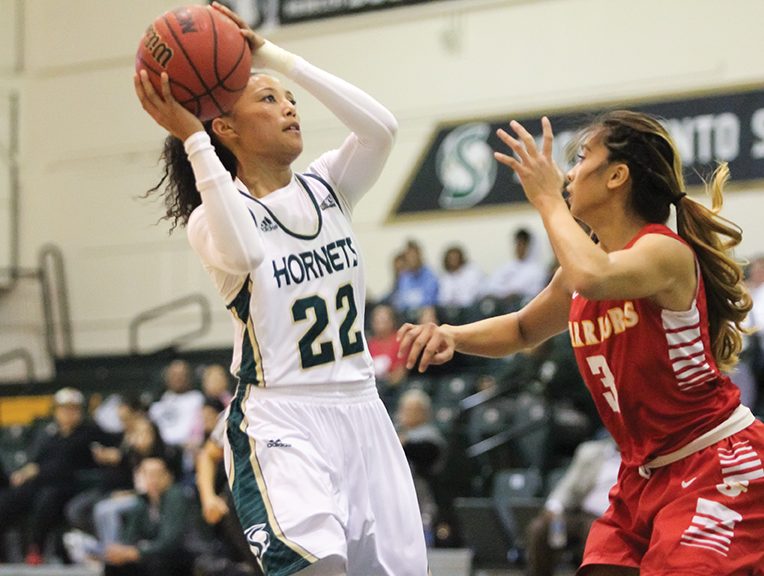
{"x":55,"y":302}
{"x":20,"y":354}
{"x":192,"y":299}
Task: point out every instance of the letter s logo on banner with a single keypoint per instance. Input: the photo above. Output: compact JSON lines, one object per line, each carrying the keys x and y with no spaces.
{"x":465,"y":166}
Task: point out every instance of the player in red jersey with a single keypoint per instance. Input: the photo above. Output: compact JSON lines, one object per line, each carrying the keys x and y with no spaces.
{"x":654,"y":317}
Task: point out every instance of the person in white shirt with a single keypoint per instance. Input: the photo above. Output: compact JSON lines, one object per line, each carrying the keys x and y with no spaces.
{"x":178,"y":411}
{"x":461,"y":281}
{"x":523,"y":276}
{"x":319,"y":479}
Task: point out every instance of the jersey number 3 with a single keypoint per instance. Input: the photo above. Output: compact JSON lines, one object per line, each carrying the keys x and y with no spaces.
{"x":598,"y":366}
{"x":314,"y":353}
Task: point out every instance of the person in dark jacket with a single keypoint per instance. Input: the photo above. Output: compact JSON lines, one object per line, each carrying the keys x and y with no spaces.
{"x":153,"y":536}
{"x":39,"y":490}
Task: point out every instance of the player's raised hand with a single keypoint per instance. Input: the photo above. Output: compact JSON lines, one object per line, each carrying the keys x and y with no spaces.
{"x":435,"y":344}
{"x":163,"y":108}
{"x":539,"y":175}
{"x":253,"y":38}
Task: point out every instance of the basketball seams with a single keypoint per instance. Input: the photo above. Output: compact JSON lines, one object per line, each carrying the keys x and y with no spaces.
{"x":204,"y":71}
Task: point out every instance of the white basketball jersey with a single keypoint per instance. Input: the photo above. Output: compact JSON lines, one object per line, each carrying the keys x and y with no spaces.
{"x":300,"y":315}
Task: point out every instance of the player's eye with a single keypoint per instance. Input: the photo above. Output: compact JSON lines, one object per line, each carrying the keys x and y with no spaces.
{"x":269,"y":98}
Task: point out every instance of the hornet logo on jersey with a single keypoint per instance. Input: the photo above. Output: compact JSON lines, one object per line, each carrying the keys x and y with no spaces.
{"x":327,"y":203}
{"x":465,"y":166}
{"x":259,"y":539}
{"x":266,"y":224}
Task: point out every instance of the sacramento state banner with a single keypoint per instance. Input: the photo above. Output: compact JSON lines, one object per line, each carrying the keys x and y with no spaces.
{"x":458,"y":172}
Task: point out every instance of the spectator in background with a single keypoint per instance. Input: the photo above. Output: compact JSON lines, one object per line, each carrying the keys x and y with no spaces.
{"x":215,"y":383}
{"x":144,"y":441}
{"x":579,"y":498}
{"x":226,"y":552}
{"x":389,"y":370}
{"x":749,"y":375}
{"x":522,"y":277}
{"x":114,"y":466}
{"x":39,"y":490}
{"x":178,"y":415}
{"x":179,"y":409}
{"x":400,"y":264}
{"x":417,"y":286}
{"x":425,"y":449}
{"x":461,"y":282}
{"x":153,"y":538}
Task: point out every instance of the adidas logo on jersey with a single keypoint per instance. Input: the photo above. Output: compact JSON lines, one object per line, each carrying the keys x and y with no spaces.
{"x":328,"y":202}
{"x":266,"y":224}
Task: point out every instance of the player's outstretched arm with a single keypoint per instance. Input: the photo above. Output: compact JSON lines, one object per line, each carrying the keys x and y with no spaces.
{"x":543,"y":317}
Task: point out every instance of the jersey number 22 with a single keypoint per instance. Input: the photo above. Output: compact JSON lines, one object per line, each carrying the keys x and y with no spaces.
{"x":351,"y":343}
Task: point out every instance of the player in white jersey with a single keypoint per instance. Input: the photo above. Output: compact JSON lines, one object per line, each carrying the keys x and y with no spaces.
{"x":319,"y":479}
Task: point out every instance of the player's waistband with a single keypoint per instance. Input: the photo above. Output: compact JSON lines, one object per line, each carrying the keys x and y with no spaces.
{"x":325,"y":393}
{"x":740,"y":419}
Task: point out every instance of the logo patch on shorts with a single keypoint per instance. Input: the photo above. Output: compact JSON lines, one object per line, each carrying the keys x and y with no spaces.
{"x":739,"y":465}
{"x":712,"y":527}
{"x":259,"y":539}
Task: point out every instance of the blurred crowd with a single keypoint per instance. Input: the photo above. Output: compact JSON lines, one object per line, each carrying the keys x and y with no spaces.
{"x":135,"y":483}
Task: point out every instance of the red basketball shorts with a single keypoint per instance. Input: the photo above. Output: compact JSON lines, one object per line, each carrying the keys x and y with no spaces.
{"x":700,"y":516}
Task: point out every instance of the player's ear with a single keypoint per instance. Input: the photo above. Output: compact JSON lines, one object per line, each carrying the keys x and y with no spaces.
{"x":222,"y":127}
{"x":619,"y":175}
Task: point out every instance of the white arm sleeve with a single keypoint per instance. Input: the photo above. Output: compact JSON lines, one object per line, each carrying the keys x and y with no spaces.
{"x":357,"y":164}
{"x":222,"y":231}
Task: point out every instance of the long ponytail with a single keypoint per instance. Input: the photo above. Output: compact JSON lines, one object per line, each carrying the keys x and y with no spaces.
{"x":646,"y":147}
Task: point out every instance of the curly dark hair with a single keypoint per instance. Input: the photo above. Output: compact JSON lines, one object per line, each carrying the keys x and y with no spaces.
{"x":177,"y":186}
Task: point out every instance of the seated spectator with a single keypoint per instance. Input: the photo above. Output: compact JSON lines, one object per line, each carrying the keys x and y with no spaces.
{"x":578,"y":499}
{"x":400,"y":264}
{"x":115,"y":465}
{"x":227,"y":552}
{"x":152,"y":543}
{"x":425,"y":449}
{"x":179,"y":409}
{"x":178,"y":415}
{"x":39,"y":490}
{"x":522,"y":277}
{"x":122,"y":494}
{"x":461,"y":282}
{"x":389,"y":370}
{"x":216,"y":383}
{"x":418,"y":285}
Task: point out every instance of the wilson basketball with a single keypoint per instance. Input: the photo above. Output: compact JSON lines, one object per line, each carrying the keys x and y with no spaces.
{"x":204,"y":54}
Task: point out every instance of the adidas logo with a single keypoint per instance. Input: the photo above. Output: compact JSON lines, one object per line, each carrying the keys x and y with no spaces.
{"x":266,"y":224}
{"x":328,"y":202}
{"x":277,"y":443}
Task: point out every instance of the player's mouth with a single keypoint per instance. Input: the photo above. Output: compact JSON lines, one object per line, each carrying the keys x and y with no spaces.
{"x":293,"y":127}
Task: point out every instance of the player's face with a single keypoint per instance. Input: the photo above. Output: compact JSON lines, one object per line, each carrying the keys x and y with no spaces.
{"x":266,"y":121}
{"x":587,"y":180}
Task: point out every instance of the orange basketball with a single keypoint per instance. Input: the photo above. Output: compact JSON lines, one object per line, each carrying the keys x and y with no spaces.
{"x":204,"y":54}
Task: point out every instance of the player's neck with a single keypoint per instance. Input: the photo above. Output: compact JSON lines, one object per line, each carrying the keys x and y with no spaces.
{"x":264,"y":178}
{"x":617,"y":232}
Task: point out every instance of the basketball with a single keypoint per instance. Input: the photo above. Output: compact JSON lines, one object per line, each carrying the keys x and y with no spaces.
{"x":204,"y":54}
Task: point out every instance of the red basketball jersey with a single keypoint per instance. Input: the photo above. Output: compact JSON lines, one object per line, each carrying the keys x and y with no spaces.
{"x":650,"y":371}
